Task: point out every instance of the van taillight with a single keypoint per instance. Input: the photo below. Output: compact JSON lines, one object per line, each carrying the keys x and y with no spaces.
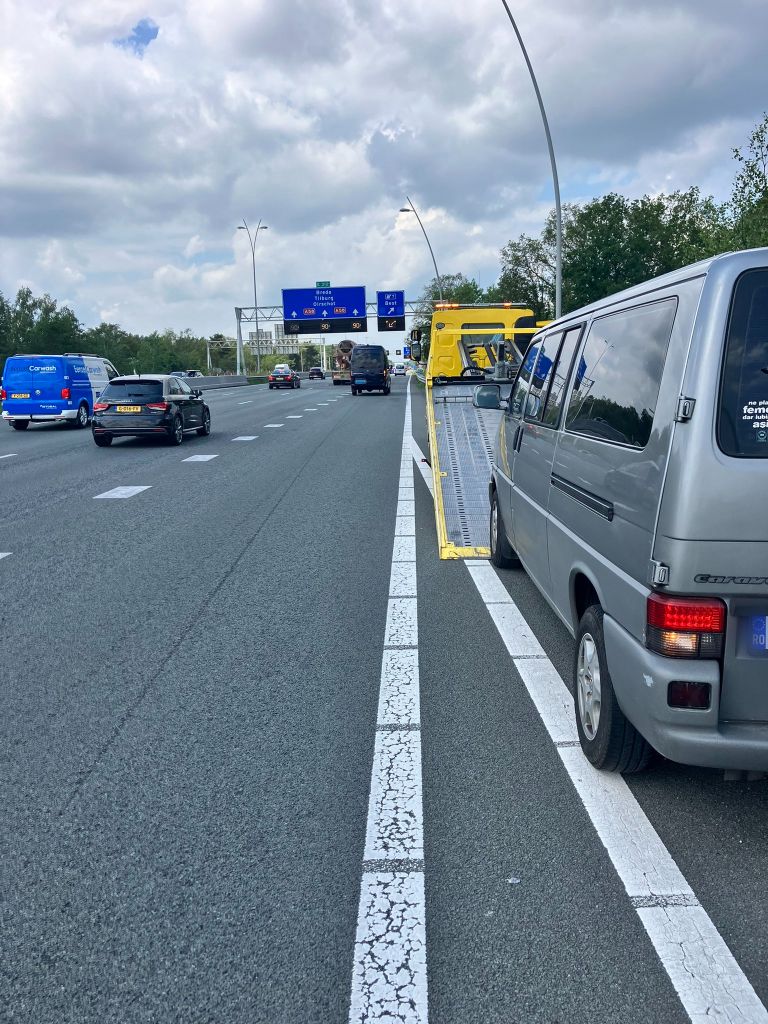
{"x":66,"y":393}
{"x":685,"y":627}
{"x":3,"y":395}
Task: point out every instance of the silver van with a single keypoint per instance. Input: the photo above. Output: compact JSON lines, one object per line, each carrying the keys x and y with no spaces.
{"x":630,"y":479}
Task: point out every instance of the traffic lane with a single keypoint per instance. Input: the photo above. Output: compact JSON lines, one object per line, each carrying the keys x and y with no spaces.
{"x":207,"y":865}
{"x":526,"y":917}
{"x":54,"y":469}
{"x":100,"y":564}
{"x":714,"y":830}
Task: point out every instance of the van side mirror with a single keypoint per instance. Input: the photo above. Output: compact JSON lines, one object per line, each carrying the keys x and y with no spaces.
{"x":487,"y":396}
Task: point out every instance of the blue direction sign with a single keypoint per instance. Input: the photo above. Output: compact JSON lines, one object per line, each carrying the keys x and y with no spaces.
{"x":390,"y":303}
{"x":390,"y":309}
{"x":323,"y":303}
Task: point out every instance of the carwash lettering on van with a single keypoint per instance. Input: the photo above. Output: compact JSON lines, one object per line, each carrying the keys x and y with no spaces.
{"x":58,"y":388}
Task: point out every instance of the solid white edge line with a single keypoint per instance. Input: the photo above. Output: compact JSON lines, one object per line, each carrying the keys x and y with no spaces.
{"x":389,"y":973}
{"x":5,"y":554}
{"x":11,"y":455}
{"x":423,"y":467}
{"x":704,"y":972}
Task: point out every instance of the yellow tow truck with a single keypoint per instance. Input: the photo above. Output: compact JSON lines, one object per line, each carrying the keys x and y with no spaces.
{"x":469,"y":345}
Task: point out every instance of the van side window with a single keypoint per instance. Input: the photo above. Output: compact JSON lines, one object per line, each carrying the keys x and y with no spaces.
{"x":560,"y":376}
{"x":516,"y":403}
{"x":539,"y":363}
{"x":742,"y":422}
{"x":618,"y":376}
{"x":111,"y":371}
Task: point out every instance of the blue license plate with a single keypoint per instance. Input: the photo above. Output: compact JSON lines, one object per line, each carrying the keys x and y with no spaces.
{"x":361,"y":382}
{"x":760,"y":633}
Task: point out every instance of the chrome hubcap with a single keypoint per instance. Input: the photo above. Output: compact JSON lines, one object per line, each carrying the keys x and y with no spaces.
{"x":588,"y":686}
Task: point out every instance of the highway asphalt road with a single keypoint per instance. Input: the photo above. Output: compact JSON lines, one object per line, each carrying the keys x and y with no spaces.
{"x":191,"y":679}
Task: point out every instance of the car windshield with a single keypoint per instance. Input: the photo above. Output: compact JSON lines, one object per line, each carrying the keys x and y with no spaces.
{"x":121,"y":390}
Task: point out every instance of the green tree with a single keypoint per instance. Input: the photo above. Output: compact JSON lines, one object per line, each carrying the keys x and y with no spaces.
{"x":749,"y":196}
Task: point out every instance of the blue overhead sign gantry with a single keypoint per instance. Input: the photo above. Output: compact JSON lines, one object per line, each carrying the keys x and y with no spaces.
{"x":324,"y":310}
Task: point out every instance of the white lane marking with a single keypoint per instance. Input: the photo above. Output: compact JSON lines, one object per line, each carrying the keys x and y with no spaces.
{"x":394,"y":830}
{"x":389,"y":982}
{"x":11,"y":456}
{"x":310,"y":410}
{"x":399,"y":693}
{"x":703,"y":971}
{"x":322,"y":403}
{"x":389,"y":974}
{"x":295,"y":417}
{"x":245,"y":437}
{"x":200,"y":458}
{"x":273,"y":424}
{"x":5,"y":554}
{"x":122,"y":492}
{"x":333,"y":399}
{"x":405,"y":526}
{"x":248,"y":402}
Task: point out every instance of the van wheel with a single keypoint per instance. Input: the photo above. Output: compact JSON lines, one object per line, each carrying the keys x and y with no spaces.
{"x":20,"y":424}
{"x":81,"y":420}
{"x":607,"y":737}
{"x":502,"y":553}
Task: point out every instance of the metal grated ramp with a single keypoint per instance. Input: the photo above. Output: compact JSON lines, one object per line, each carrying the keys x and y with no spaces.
{"x":465,"y":447}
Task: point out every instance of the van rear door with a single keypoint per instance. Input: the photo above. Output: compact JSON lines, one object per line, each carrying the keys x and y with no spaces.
{"x":713,"y":527}
{"x":33,"y":385}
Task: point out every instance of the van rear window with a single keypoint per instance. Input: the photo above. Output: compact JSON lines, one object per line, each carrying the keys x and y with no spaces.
{"x":366,"y":357}
{"x":742,"y":428}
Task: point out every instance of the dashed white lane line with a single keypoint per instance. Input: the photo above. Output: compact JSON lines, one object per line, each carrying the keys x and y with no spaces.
{"x":11,"y":455}
{"x":704,"y":972}
{"x":248,"y":401}
{"x":310,"y":410}
{"x":245,"y":437}
{"x":273,"y":424}
{"x":200,"y":458}
{"x":296,"y":416}
{"x":122,"y":492}
{"x":389,"y":975}
{"x":322,"y":403}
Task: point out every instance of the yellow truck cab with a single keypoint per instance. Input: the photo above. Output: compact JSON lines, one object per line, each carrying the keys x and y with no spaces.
{"x":468,"y":345}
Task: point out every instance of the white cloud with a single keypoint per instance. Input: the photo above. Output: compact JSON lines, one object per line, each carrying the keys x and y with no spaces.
{"x":123,"y":177}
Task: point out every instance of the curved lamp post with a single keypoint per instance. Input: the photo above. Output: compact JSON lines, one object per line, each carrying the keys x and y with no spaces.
{"x":252,"y":240}
{"x":410,"y":208}
{"x":558,"y":211}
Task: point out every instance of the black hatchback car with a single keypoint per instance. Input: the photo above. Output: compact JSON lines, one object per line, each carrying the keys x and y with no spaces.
{"x":157,"y":405}
{"x":316,"y":373}
{"x":282,"y":377}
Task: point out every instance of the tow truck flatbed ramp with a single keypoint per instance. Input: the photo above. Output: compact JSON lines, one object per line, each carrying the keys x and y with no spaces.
{"x":467,"y":343}
{"x":461,"y":439}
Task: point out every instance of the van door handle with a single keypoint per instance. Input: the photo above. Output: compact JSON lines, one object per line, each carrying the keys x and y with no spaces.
{"x":518,"y":438}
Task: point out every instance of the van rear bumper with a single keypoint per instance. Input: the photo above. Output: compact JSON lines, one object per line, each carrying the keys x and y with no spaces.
{"x":48,"y":417}
{"x":640,"y":679}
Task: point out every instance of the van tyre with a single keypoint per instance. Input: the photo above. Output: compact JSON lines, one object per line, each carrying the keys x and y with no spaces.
{"x":176,"y":435}
{"x":502,"y":553}
{"x":81,"y":420}
{"x":607,"y":737}
{"x":20,"y":424}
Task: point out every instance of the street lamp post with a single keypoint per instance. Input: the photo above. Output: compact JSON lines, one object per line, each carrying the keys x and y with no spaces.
{"x":556,"y":183}
{"x":252,"y":240}
{"x":410,"y":208}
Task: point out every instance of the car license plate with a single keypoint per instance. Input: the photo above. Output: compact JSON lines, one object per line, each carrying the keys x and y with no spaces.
{"x":129,"y":408}
{"x":24,"y":395}
{"x":760,"y":633}
{"x":361,"y":382}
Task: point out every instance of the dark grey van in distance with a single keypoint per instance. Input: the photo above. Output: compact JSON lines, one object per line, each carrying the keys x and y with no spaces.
{"x":630,"y":480}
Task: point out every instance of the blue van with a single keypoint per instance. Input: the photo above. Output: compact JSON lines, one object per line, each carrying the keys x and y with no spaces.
{"x":46,"y":389}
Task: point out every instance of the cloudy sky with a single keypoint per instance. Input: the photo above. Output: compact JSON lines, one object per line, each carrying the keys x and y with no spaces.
{"x":135,"y":136}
